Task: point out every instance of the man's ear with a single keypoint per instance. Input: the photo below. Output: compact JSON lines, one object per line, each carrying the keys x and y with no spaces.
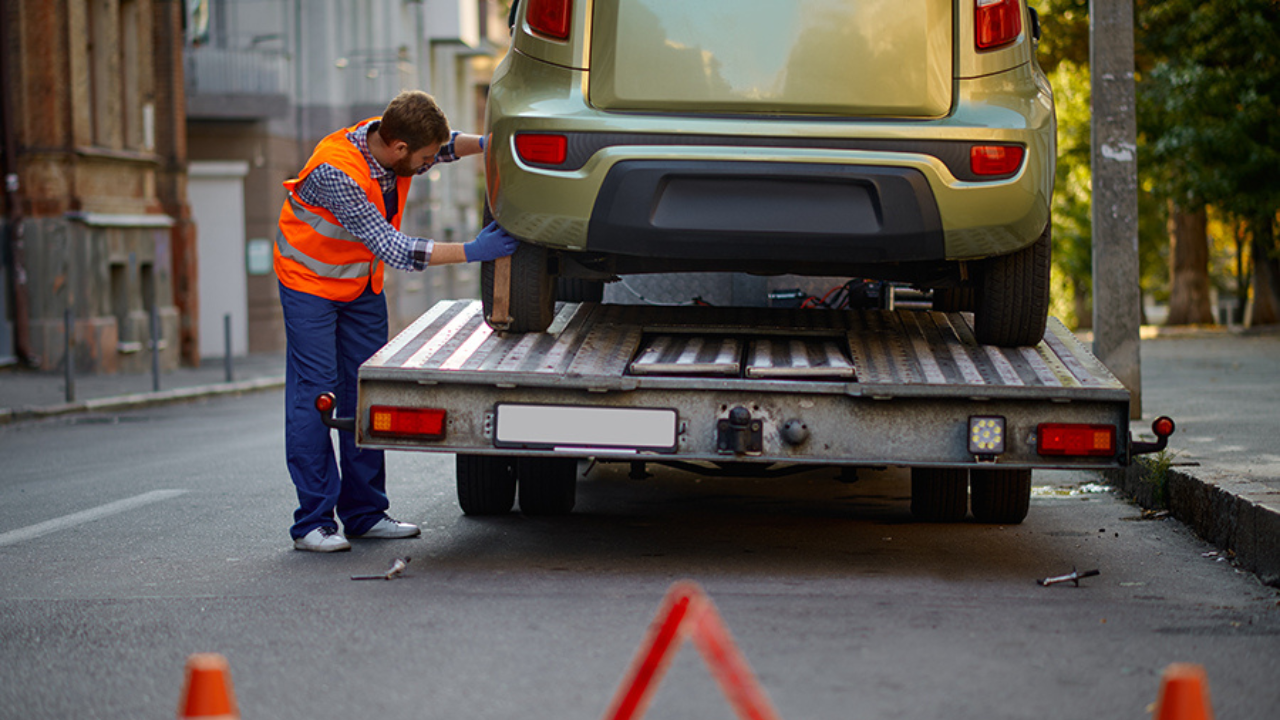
{"x":399,"y":148}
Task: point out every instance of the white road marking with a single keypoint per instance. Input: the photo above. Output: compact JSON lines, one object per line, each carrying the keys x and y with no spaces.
{"x":67,"y":521}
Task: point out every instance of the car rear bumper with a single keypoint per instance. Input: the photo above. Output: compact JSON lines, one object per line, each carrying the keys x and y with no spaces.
{"x":675,"y":186}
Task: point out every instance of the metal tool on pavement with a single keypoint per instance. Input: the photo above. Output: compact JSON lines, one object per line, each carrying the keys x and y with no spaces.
{"x":1071,"y":577}
{"x":397,"y":568}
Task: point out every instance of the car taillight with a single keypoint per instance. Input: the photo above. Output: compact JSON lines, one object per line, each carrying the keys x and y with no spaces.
{"x":1075,"y":439}
{"x":995,"y":159}
{"x":996,"y":23}
{"x":392,"y":421}
{"x":550,"y":17}
{"x":542,"y":148}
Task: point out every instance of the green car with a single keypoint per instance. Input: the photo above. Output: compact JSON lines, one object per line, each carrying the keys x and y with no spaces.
{"x":910,"y":141}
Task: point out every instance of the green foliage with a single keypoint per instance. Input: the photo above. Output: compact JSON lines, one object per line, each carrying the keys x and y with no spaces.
{"x":1154,"y":471}
{"x":1064,"y":32}
{"x":1208,"y":83}
{"x":1072,"y":222}
{"x":1209,"y":102}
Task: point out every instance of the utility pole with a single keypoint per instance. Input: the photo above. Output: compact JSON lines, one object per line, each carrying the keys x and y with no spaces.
{"x":1117,"y":312}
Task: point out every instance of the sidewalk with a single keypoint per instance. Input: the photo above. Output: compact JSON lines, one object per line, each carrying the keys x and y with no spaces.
{"x":1221,"y":387}
{"x":29,"y":395}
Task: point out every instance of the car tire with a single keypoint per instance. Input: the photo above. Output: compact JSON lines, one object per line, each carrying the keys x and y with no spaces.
{"x":1013,"y":296}
{"x":533,"y":299}
{"x":547,"y":485}
{"x":578,"y":290}
{"x":1000,"y":496}
{"x":939,"y":494}
{"x":486,"y":484}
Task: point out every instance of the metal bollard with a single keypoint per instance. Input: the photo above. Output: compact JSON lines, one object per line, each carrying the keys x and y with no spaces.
{"x":226,"y":334}
{"x":155,"y":345}
{"x":69,"y":356}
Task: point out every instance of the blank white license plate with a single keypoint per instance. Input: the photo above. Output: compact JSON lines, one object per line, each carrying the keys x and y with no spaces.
{"x":565,"y":426}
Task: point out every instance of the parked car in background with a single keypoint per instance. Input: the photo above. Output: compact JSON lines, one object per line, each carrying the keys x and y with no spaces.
{"x":901,"y":140}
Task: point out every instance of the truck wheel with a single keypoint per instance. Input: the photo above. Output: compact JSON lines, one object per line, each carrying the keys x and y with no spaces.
{"x":939,"y":494}
{"x":1000,"y":496}
{"x":548,"y":485}
{"x":1013,"y":296}
{"x":533,"y":289}
{"x":486,"y":484}
{"x":578,"y":290}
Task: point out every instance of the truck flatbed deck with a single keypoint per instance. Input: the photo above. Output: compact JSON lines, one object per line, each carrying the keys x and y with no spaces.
{"x":870,"y":387}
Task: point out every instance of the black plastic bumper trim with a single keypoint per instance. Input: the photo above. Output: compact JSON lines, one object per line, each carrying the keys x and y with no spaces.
{"x":785,"y":212}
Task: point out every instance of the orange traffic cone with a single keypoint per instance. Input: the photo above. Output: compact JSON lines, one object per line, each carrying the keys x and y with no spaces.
{"x":206,"y":691}
{"x":1184,"y":694}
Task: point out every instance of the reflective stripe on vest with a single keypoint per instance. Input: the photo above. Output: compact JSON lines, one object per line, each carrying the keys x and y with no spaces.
{"x":348,"y":271}
{"x":313,"y":252}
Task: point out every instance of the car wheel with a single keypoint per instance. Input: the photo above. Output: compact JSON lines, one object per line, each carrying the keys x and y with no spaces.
{"x":486,"y":484}
{"x":1000,"y":496}
{"x":939,"y":494}
{"x":578,"y":290}
{"x":547,"y":485}
{"x":1013,"y":296}
{"x":533,"y":300}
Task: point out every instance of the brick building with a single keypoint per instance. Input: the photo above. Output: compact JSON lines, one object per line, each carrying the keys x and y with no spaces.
{"x":97,"y":227}
{"x":145,"y":146}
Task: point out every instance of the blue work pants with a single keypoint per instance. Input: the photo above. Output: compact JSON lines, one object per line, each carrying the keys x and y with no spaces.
{"x":327,"y":342}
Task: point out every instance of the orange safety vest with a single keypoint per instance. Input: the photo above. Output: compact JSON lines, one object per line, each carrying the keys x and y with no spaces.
{"x":314,"y":253}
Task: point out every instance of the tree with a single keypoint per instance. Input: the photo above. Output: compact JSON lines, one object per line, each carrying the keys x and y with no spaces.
{"x":1209,"y":116}
{"x":1188,"y":267}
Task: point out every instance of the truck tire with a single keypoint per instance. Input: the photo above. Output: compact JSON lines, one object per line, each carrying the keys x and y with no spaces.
{"x":578,"y":290}
{"x":939,"y":494}
{"x":547,"y":485}
{"x":1000,"y":496}
{"x":486,"y":484}
{"x":533,"y":289}
{"x":1013,"y":296}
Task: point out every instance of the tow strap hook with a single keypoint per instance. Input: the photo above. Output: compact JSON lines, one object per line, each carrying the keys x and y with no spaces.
{"x":326,"y":403}
{"x":739,"y":434}
{"x":1163,"y":427}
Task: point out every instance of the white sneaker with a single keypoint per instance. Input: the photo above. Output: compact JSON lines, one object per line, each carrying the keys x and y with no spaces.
{"x":322,"y":539}
{"x":388,"y":529}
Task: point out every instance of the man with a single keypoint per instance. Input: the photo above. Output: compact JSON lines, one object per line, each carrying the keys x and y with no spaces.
{"x":339,"y":225}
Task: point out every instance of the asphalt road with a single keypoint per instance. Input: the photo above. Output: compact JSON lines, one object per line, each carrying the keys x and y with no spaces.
{"x":128,"y":542}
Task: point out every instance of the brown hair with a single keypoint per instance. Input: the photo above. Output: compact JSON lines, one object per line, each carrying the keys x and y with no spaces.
{"x":414,"y":117}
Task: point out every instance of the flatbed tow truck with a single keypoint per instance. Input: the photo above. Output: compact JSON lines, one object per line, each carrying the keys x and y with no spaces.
{"x":742,"y":392}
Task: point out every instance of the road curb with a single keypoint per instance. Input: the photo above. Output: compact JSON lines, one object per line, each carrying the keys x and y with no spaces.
{"x":1239,"y":516}
{"x":136,"y":400}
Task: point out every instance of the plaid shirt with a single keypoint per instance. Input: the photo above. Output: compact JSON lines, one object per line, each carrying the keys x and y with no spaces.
{"x":335,"y":191}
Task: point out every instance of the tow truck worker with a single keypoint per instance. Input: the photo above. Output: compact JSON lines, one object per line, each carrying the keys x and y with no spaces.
{"x":339,"y":225}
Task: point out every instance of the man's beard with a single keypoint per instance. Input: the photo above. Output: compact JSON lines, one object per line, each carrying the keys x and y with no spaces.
{"x":402,"y":168}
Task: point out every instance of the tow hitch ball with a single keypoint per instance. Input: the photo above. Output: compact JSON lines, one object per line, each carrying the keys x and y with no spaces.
{"x":1162,"y":427}
{"x":326,"y":403}
{"x":739,"y":434}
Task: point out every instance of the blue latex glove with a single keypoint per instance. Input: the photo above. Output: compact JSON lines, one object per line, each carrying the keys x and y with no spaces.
{"x":492,"y":243}
{"x":482,"y":143}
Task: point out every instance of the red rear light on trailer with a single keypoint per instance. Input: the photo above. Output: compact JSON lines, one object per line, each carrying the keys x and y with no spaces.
{"x":391,"y":421}
{"x":550,"y":17}
{"x":996,"y":23}
{"x":1075,"y":439}
{"x":990,"y":160}
{"x":542,"y":148}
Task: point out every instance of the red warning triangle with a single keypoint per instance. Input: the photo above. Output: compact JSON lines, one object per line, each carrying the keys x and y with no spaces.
{"x":687,"y":612}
